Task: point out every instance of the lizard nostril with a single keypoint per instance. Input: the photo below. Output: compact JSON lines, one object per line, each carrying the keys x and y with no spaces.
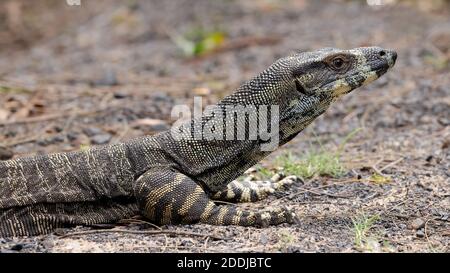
{"x":382,"y":53}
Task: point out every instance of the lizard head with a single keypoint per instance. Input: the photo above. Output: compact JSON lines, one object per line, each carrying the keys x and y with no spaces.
{"x":315,"y":79}
{"x":331,"y":73}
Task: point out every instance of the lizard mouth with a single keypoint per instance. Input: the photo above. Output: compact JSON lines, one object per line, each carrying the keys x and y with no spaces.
{"x":382,"y":68}
{"x":347,"y":84}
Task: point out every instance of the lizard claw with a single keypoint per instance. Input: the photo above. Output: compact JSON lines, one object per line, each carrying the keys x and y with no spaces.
{"x":275,"y":217}
{"x":285,"y":182}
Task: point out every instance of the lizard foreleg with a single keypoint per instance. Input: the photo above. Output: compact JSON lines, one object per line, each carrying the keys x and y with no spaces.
{"x":251,"y":191}
{"x":169,"y":197}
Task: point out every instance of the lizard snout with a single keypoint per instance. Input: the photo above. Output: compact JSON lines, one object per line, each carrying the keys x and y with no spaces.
{"x":389,"y":55}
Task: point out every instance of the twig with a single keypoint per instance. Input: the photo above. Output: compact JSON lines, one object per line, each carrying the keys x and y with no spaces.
{"x":374,"y":167}
{"x":165,"y":242}
{"x":327,"y":194}
{"x":223,"y":202}
{"x":139,"y":221}
{"x":312,"y":202}
{"x":387,"y":211}
{"x":177,"y":247}
{"x":401,"y":216}
{"x":205,"y":245}
{"x":392,"y":164}
{"x":145,"y":232}
{"x":426,"y":231}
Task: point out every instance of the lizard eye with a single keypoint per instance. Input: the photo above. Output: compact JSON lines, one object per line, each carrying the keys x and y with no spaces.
{"x":338,"y":62}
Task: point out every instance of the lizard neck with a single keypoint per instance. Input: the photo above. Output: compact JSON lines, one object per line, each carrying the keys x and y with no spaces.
{"x":215,"y":162}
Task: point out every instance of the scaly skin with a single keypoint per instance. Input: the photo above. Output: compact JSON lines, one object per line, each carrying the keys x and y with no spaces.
{"x":171,"y":181}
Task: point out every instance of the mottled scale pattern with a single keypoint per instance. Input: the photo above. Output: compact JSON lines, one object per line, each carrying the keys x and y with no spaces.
{"x":173,"y":181}
{"x":45,"y":217}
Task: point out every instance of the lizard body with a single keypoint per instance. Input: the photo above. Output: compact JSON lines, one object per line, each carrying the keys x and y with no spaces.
{"x":171,"y":181}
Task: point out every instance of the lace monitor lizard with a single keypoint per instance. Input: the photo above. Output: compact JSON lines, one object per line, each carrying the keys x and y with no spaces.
{"x":171,"y":181}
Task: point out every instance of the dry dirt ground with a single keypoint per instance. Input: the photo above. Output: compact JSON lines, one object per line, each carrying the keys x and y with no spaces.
{"x":73,"y":77}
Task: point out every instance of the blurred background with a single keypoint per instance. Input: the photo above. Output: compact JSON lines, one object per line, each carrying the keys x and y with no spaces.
{"x":59,"y":56}
{"x":107,"y":71}
{"x":129,"y":38}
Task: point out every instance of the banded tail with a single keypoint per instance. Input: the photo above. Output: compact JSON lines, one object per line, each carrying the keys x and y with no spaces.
{"x":100,"y":173}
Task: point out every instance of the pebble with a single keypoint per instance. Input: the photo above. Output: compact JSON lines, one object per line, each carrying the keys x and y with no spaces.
{"x":51,"y":140}
{"x":444,"y":121}
{"x":420,"y":233}
{"x":5,"y":153}
{"x":57,"y":138}
{"x":120,"y":95}
{"x":294,"y":249}
{"x":92,"y":131}
{"x":17,"y":247}
{"x":417,"y":223}
{"x":72,"y":136}
{"x":42,"y":142}
{"x":101,"y":139}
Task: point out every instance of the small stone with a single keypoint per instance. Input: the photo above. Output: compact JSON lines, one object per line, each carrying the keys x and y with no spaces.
{"x":56,"y":139}
{"x":420,"y":233}
{"x":17,"y":247}
{"x":444,"y":121}
{"x":5,"y":153}
{"x":120,"y":95}
{"x":42,"y":142}
{"x":101,"y":139}
{"x":58,"y":129}
{"x":417,"y":223}
{"x":72,"y":136}
{"x":293,"y":249}
{"x":92,"y":131}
